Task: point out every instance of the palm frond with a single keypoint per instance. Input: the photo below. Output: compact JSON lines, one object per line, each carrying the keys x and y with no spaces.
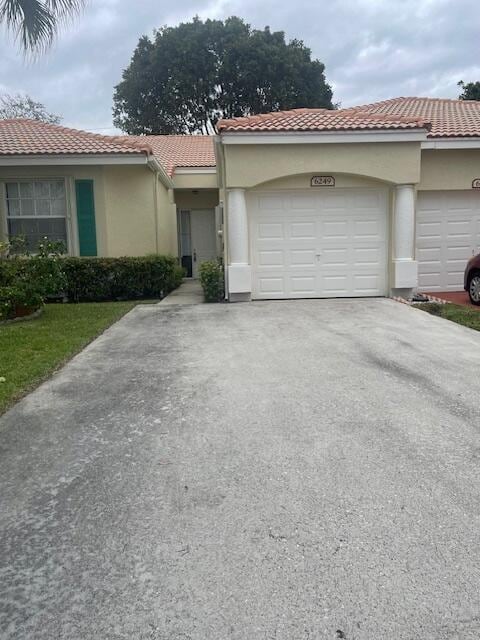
{"x":35,"y":22}
{"x":64,"y":9}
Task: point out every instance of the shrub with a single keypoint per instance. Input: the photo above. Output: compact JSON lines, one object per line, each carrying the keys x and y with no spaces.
{"x":212,"y":280}
{"x":27,"y":280}
{"x":97,"y":279}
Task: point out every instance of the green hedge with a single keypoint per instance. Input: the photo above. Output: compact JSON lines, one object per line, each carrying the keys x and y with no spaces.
{"x":212,"y":280}
{"x":26,"y":281}
{"x":97,"y":279}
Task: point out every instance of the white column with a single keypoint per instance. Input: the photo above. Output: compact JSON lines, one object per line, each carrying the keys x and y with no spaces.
{"x":239,"y":271}
{"x":405,"y":272}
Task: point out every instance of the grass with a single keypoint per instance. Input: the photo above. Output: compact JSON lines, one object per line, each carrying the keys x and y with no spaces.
{"x":456,"y":313}
{"x":30,"y":351}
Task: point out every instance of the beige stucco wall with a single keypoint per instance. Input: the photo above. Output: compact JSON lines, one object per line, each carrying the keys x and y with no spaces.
{"x":195,"y":181}
{"x":167,"y":220}
{"x":449,"y":169}
{"x":130,"y":210}
{"x":140,"y":212}
{"x":250,"y":165}
{"x":303,"y":182}
{"x":187,"y":199}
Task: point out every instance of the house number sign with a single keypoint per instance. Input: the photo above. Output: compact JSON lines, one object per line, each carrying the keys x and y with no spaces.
{"x":476,"y":183}
{"x":322,"y":181}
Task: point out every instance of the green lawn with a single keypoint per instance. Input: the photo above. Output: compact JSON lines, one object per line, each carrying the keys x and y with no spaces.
{"x":30,"y":351}
{"x":455,"y":312}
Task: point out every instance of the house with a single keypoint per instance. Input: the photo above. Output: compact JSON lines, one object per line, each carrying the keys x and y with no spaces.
{"x":374,"y":200}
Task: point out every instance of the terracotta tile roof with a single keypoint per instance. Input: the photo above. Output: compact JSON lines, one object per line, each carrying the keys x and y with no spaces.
{"x":321,"y":120}
{"x":449,"y":118}
{"x":30,"y":137}
{"x":181,"y":151}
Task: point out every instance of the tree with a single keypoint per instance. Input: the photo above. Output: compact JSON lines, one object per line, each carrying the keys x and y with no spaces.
{"x":18,"y":106}
{"x":187,"y":77}
{"x":470,"y":91}
{"x":35,"y":22}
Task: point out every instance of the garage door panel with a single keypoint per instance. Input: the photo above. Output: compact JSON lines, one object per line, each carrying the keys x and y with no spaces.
{"x":332,"y":250}
{"x":301,"y":203}
{"x":428,"y":256}
{"x":455,"y":276}
{"x":460,"y":228}
{"x":303,"y":230}
{"x":305,"y":285}
{"x":367,"y":256}
{"x":267,"y":230}
{"x":367,"y":229}
{"x":367,"y":283}
{"x":271,"y":258}
{"x":448,"y":225}
{"x":332,"y":201}
{"x":270,"y":203}
{"x":335,"y":285}
{"x":429,"y":230}
{"x":368,"y":200}
{"x":334,"y":230}
{"x":270,"y":285}
{"x":305,"y":258}
{"x":430,"y":280}
{"x":462,"y":253}
{"x":336,"y":257}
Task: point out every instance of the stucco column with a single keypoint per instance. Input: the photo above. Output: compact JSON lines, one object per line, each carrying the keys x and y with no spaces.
{"x":239,"y":270}
{"x":405,"y":271}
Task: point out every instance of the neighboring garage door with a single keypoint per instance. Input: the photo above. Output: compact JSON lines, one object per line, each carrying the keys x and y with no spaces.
{"x":318,"y":244}
{"x":448,"y":233}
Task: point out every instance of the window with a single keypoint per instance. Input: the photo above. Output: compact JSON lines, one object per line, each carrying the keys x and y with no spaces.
{"x":37,"y":209}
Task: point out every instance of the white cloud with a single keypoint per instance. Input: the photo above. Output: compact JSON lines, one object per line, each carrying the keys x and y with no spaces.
{"x":373,"y":49}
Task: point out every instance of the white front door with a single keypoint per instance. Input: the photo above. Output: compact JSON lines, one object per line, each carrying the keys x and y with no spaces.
{"x":203,"y":237}
{"x":318,"y":244}
{"x":448,"y":234}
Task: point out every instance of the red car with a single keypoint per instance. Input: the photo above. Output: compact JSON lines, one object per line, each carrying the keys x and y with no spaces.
{"x":472,"y":279}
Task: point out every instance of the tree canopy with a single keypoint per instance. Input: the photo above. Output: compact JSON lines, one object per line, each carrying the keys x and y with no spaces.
{"x":18,"y":106}
{"x":35,"y":22}
{"x":187,"y":77}
{"x":470,"y":90}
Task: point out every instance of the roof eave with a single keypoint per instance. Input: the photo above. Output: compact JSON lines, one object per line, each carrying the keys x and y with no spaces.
{"x":157,"y":168}
{"x":321,"y":137}
{"x":53,"y":159}
{"x":194,"y":170}
{"x":450,"y":142}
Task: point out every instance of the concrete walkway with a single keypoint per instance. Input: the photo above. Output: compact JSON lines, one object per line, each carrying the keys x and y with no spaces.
{"x":189,"y":292}
{"x":302,"y":470}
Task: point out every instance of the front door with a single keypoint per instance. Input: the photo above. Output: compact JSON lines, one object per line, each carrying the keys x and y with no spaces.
{"x":203,"y":237}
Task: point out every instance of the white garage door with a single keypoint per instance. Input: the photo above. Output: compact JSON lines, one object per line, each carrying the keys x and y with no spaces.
{"x":318,"y":244}
{"x":448,"y":232}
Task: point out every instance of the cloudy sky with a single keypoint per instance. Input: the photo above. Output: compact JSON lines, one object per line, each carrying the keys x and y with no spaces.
{"x":372,"y":49}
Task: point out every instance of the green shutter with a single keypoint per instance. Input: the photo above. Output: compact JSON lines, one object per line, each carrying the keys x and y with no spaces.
{"x":87,"y":234}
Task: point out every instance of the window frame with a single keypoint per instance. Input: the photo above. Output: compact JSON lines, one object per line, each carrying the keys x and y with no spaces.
{"x":70,"y":226}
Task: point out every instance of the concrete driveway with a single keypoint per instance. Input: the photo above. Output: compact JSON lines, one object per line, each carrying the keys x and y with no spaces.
{"x":281,"y":470}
